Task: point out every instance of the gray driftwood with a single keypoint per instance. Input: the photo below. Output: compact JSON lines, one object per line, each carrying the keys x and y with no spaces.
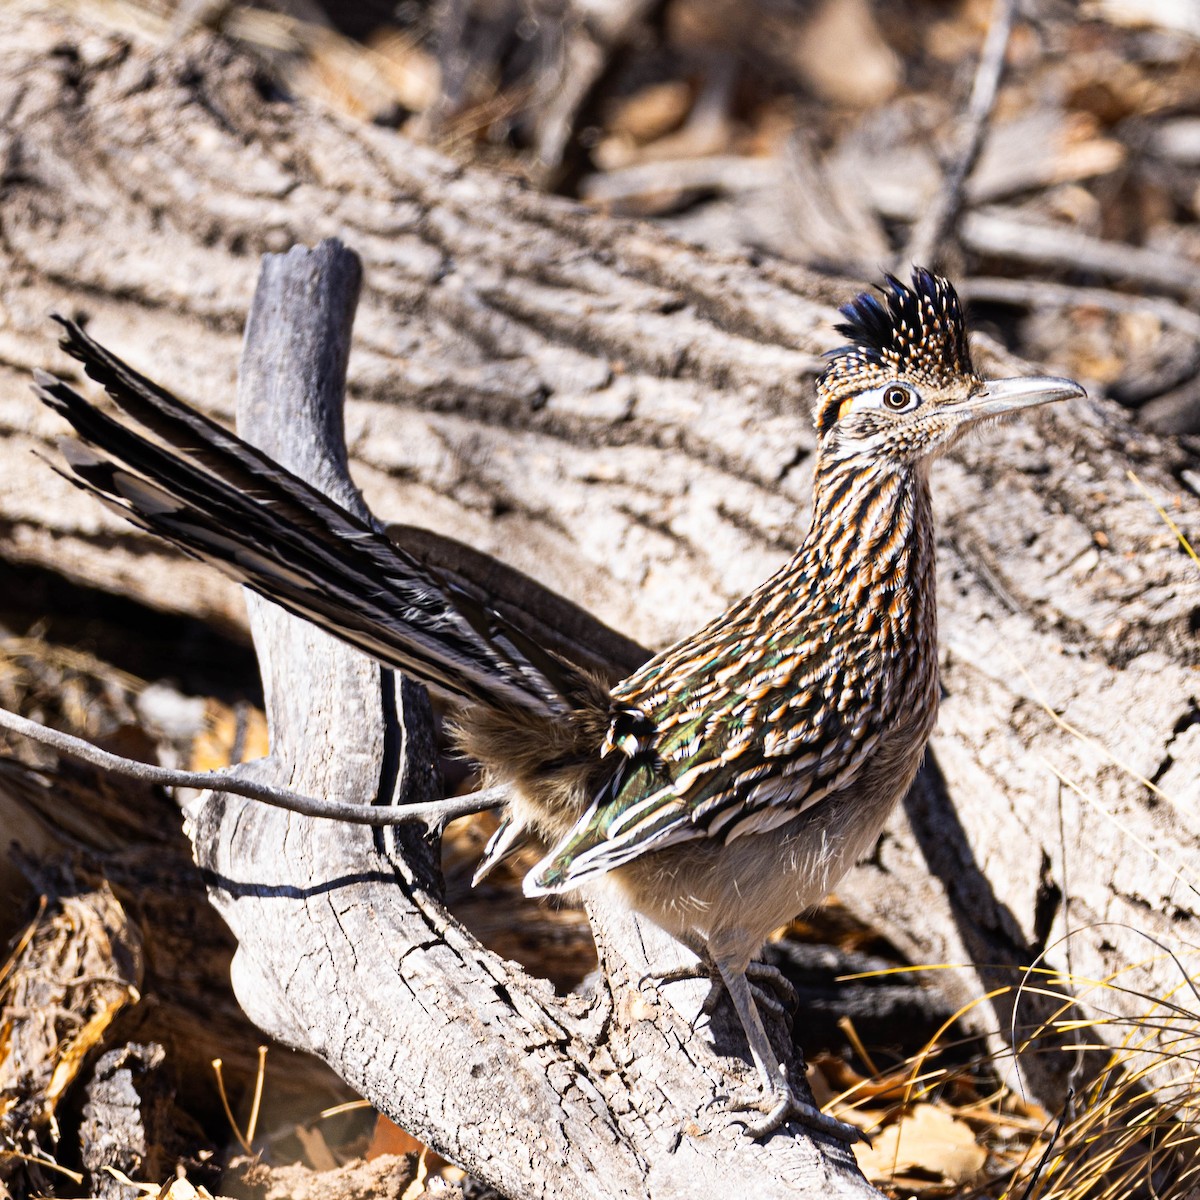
{"x":625,"y":418}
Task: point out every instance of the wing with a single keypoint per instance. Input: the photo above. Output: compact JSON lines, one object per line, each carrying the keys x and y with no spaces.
{"x":732,"y":732}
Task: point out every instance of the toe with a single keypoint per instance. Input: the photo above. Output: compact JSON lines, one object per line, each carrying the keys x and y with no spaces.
{"x":780,"y":1108}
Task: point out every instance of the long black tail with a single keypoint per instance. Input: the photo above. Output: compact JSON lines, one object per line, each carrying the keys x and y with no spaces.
{"x":223,"y":501}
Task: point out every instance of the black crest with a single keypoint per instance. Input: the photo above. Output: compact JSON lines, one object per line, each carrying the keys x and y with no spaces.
{"x":916,"y":333}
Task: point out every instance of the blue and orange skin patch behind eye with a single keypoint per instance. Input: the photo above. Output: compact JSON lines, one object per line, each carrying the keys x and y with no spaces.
{"x":916,"y":334}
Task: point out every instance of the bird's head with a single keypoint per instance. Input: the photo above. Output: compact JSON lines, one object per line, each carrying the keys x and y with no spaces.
{"x":904,"y":388}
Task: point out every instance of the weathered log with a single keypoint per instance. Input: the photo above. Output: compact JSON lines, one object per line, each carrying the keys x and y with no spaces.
{"x":130,"y":1123}
{"x":626,"y":418}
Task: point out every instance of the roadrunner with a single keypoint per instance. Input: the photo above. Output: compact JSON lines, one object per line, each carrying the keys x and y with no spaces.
{"x":729,"y":782}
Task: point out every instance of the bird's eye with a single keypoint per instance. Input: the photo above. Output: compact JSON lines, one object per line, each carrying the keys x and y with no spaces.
{"x":898,"y":398}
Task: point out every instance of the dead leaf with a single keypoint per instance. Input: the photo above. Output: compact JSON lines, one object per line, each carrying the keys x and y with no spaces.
{"x":175,"y":1189}
{"x":230,"y":736}
{"x":929,"y":1140}
{"x":389,"y":1138}
{"x":651,"y":111}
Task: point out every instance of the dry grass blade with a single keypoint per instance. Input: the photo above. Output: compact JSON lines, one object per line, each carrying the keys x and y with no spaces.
{"x":1162,"y":512}
{"x":1132,"y":1132}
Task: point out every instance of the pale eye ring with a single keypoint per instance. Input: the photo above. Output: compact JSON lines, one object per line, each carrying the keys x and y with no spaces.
{"x":898,"y":398}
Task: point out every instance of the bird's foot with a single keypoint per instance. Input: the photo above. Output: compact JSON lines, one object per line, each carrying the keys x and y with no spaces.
{"x":773,"y":990}
{"x":779,"y":1107}
{"x":656,"y":978}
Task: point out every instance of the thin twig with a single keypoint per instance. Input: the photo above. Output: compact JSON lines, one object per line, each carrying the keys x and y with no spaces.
{"x":1009,"y":234}
{"x":242,"y":1141}
{"x":434,"y":814}
{"x":730,"y":174}
{"x":256,"y":1103}
{"x":932,"y":229}
{"x":1059,"y":1125}
{"x":41,"y":1160}
{"x":1162,"y":512}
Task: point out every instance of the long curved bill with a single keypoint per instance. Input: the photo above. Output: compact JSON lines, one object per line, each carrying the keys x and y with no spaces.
{"x":1000,"y":396}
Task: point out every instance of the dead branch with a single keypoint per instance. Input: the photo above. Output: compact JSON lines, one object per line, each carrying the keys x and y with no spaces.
{"x":925,"y":241}
{"x":433,"y":815}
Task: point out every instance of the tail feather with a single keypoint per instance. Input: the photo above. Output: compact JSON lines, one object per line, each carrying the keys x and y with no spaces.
{"x":222,"y":500}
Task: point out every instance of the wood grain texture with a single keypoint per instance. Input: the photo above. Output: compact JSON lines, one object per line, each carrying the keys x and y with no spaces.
{"x":626,"y":418}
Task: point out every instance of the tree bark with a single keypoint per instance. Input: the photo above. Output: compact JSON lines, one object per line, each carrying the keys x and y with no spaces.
{"x":627,"y":419}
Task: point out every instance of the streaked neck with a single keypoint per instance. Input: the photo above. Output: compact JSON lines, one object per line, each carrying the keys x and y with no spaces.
{"x":871,"y":540}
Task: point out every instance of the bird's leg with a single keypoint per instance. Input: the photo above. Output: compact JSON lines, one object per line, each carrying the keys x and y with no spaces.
{"x":779,"y":1102}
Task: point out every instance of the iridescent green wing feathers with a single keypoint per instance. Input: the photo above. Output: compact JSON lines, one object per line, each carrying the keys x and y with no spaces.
{"x":733,"y":731}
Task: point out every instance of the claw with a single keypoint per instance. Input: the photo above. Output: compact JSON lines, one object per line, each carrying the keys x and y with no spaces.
{"x":765,"y":979}
{"x":782,"y":1106}
{"x":768,"y":1000}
